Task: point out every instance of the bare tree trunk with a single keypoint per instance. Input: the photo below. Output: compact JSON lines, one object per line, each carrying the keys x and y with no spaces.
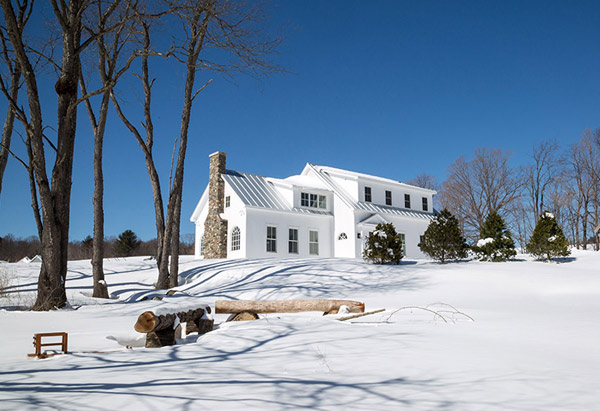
{"x":100,"y":288}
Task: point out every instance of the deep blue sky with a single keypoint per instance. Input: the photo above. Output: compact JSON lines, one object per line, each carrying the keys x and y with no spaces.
{"x":387,"y":88}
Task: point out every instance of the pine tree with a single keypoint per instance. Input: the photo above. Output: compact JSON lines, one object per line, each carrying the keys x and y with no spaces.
{"x":547,"y":240}
{"x":443,"y":239}
{"x":384,"y":245}
{"x":126,"y":243}
{"x":496,"y":243}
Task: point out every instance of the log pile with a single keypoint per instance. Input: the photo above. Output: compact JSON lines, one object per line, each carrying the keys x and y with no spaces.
{"x":250,"y":309}
{"x":161,"y":330}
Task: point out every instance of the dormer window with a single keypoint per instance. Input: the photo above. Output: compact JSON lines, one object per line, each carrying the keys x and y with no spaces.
{"x":368,"y":194}
{"x":425,"y":204}
{"x":313,"y":200}
{"x":406,"y":200}
{"x":388,"y":197}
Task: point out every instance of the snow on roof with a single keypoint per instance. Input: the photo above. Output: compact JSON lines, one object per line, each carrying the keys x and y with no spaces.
{"x":306,"y":182}
{"x":257,"y":191}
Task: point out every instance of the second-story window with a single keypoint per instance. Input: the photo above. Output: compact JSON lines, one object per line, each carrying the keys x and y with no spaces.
{"x":425,"y":204}
{"x":304,"y":199}
{"x":406,"y":200}
{"x":313,"y":200}
{"x":368,"y":194}
{"x":227,"y":201}
{"x":388,"y":197}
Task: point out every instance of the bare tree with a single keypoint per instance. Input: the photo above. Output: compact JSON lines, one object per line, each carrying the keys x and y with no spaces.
{"x":476,"y":188}
{"x":111,"y":66}
{"x":541,"y":175}
{"x":54,"y":192}
{"x":231,"y":27}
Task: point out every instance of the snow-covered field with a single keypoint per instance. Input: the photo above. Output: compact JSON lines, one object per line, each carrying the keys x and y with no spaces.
{"x":534,"y":343}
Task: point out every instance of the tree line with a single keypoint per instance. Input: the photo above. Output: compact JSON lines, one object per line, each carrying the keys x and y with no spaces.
{"x":106,"y":40}
{"x":564,"y":181}
{"x":13,"y":249}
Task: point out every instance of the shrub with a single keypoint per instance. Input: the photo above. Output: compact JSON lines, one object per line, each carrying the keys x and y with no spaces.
{"x":384,"y":245}
{"x":496,"y":243}
{"x":443,"y":239}
{"x":547,"y":240}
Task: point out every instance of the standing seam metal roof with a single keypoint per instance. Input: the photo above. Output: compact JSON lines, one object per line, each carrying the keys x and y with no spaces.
{"x":256,"y":191}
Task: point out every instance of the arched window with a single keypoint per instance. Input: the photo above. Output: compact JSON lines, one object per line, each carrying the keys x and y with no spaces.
{"x":202,"y":246}
{"x":342,"y":236}
{"x":235,"y":239}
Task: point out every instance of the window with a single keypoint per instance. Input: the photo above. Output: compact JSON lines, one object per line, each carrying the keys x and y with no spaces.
{"x":227,"y":201}
{"x":403,"y":240}
{"x":293,"y":241}
{"x":342,"y":236}
{"x":271,"y":239}
{"x":202,"y":246}
{"x":406,"y":200}
{"x":424,"y":203}
{"x":313,"y":200}
{"x":235,"y":239}
{"x":304,"y":199}
{"x":313,"y":242}
{"x":368,"y":194}
{"x":388,"y":197}
{"x":322,"y":202}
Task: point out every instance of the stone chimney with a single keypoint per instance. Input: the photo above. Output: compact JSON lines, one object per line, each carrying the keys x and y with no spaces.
{"x":215,"y":228}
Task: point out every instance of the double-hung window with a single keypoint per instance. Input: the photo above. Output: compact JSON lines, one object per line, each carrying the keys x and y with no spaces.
{"x":388,"y":197}
{"x":406,"y":200}
{"x":271,"y":239}
{"x":313,"y":242}
{"x":368,"y":194}
{"x":425,"y":204}
{"x":227,"y":201}
{"x":403,"y":242}
{"x":293,"y":241}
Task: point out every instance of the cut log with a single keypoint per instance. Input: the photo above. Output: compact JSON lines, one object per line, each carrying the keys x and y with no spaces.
{"x":286,"y":306}
{"x":149,"y":322}
{"x":161,"y":330}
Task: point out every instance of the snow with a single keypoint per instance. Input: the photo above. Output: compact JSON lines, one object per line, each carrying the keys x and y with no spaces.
{"x":484,"y":241}
{"x":552,"y":238}
{"x":548,"y":214}
{"x":533,"y":343}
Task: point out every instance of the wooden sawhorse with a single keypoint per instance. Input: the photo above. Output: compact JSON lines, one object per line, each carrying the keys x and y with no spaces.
{"x":37,"y":343}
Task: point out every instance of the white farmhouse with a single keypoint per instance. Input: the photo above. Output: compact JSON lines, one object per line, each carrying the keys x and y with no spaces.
{"x":323,"y":211}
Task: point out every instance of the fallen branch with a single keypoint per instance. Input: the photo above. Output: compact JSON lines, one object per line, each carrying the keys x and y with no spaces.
{"x":350,"y":317}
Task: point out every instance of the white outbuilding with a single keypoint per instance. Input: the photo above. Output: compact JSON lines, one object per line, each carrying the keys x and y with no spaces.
{"x":322,"y":212}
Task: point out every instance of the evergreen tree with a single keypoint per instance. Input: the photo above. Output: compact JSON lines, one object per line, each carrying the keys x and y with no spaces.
{"x":548,"y":240}
{"x":384,"y":245}
{"x":496,"y":243}
{"x":126,"y":243}
{"x":443,"y":239}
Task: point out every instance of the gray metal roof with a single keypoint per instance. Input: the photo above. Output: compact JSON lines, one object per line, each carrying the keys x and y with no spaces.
{"x":256,"y":191}
{"x":360,"y":205}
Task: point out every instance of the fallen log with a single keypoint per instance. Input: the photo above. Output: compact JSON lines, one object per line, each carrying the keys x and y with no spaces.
{"x":286,"y":306}
{"x":162,"y":329}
